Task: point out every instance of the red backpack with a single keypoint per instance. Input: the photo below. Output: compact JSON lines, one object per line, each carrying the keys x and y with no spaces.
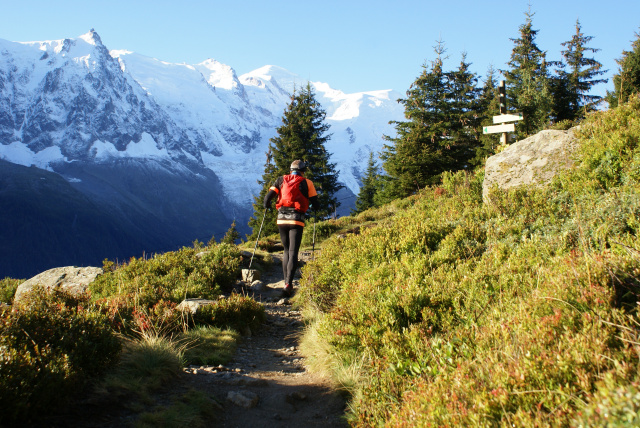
{"x":290,"y":194}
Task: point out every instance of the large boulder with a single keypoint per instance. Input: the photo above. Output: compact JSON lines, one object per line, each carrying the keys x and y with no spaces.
{"x":532,"y":161}
{"x":71,"y":279}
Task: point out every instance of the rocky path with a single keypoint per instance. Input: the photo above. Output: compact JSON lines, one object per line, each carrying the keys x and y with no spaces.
{"x":267,"y":384}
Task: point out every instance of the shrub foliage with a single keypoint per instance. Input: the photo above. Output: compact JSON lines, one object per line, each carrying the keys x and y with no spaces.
{"x":522,"y":311}
{"x":53,"y":343}
{"x":48,"y":350}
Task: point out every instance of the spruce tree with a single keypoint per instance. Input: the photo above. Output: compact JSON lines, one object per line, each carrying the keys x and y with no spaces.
{"x":369,"y":187}
{"x":231,"y":236}
{"x":422,"y":148}
{"x":571,"y":88}
{"x":528,"y":86}
{"x":441,"y":133}
{"x":627,"y":81}
{"x":488,"y":106}
{"x":302,"y":135}
{"x":464,"y":98}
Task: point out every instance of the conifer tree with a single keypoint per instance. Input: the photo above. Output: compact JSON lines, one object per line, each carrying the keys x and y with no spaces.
{"x":231,"y":236}
{"x":627,"y":81}
{"x":302,"y":135}
{"x":441,"y":133}
{"x":369,"y":187}
{"x":571,"y":98}
{"x":422,"y":148}
{"x":528,"y":86}
{"x":463,"y":108}
{"x":488,"y":106}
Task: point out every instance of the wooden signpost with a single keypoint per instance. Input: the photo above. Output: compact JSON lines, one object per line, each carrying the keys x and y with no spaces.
{"x":503,"y":118}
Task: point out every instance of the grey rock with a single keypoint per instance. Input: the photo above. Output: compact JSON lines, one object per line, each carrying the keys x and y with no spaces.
{"x":192,"y":305}
{"x":250,"y":275}
{"x":71,"y":279}
{"x":246,"y":399}
{"x":532,"y":161}
{"x":258,"y":286}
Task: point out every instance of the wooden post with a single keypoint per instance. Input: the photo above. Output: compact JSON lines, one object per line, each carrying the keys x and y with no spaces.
{"x":502,"y":90}
{"x":503,"y":118}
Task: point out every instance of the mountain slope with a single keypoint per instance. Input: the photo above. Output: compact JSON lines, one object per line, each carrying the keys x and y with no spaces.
{"x":171,"y":151}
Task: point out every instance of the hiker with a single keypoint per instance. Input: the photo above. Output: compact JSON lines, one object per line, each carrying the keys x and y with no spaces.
{"x":295,"y":193}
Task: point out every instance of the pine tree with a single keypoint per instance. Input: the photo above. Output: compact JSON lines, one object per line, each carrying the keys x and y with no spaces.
{"x":301,"y":136}
{"x":488,"y":106}
{"x":528,"y":86}
{"x":231,"y":236}
{"x":441,"y":133}
{"x":262,"y":217}
{"x":463,"y":108}
{"x":571,"y":88}
{"x":369,"y":187}
{"x":627,"y":81}
{"x":422,"y":148}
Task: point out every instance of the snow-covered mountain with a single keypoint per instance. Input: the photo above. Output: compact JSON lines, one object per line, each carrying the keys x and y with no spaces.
{"x":166,"y":150}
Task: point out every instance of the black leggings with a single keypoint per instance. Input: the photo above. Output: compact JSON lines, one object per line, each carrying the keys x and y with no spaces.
{"x":291,"y":237}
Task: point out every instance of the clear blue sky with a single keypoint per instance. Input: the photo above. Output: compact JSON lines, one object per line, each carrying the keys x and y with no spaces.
{"x":354,"y":45}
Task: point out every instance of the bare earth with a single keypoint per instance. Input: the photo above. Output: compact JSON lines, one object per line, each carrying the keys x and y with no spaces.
{"x":267,"y":385}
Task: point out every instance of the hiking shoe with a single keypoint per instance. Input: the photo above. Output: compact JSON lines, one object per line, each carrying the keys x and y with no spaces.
{"x":288,"y":290}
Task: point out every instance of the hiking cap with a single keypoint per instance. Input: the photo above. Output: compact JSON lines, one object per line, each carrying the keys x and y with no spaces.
{"x":298,"y":165}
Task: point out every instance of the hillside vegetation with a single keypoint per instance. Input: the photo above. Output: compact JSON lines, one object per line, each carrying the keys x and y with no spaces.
{"x":124,"y":340}
{"x":442,"y":310}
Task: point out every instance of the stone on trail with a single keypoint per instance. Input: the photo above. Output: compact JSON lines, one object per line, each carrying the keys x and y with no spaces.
{"x":258,"y":286}
{"x":246,"y":399}
{"x":250,"y":275}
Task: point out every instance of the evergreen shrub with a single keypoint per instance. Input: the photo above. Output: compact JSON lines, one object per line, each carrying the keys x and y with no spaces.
{"x":49,"y":347}
{"x":235,"y":312}
{"x":145,"y":292}
{"x":521,"y":311}
{"x":8,"y":287}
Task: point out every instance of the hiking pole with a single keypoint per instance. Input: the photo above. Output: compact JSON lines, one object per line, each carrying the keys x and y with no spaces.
{"x":313,"y":245}
{"x":259,"y":232}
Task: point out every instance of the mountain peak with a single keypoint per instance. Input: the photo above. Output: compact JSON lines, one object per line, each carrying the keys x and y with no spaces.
{"x":92,"y":38}
{"x":218,"y":74}
{"x":268,"y":73}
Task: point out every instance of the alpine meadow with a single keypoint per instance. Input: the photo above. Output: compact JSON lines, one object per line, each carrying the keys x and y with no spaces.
{"x":438,"y":302}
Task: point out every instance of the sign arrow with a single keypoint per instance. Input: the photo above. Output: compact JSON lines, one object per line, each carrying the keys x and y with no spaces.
{"x":507,"y":118}
{"x":509,"y":127}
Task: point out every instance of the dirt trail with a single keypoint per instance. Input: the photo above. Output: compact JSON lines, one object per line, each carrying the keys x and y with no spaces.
{"x":267,"y":384}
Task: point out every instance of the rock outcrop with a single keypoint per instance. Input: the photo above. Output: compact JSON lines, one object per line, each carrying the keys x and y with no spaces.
{"x":71,"y":279}
{"x":532,"y":161}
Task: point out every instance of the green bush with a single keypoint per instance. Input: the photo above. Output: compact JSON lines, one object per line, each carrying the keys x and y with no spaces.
{"x":236,"y":312}
{"x":143,"y":294}
{"x":8,"y":287}
{"x":171,"y":276}
{"x":49,"y":347}
{"x":459,"y":313}
{"x":612,"y":406}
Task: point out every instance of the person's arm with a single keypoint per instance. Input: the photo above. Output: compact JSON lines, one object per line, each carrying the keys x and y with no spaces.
{"x":313,"y":201}
{"x":313,"y":196}
{"x":267,"y":198}
{"x":272,"y":193}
